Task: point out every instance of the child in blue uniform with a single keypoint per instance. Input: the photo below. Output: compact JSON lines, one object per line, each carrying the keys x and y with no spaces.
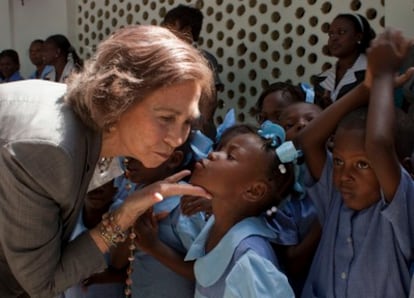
{"x":363,"y":196}
{"x":249,"y":173}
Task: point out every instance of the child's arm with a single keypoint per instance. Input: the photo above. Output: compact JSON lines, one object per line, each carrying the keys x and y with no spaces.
{"x":147,"y":240}
{"x":312,"y":139}
{"x":298,"y":258}
{"x":384,"y":58}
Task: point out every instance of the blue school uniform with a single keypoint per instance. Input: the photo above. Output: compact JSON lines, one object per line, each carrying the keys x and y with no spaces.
{"x":363,"y":253}
{"x":150,"y":277}
{"x":243,"y":263}
{"x":46,"y":70}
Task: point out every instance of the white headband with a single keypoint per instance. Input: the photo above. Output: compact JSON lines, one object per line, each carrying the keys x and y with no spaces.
{"x":360,"y":22}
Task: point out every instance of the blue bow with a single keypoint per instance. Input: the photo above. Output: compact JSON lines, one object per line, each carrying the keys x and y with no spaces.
{"x":229,"y":121}
{"x":271,"y":131}
{"x":285,"y":151}
{"x":310,"y":93}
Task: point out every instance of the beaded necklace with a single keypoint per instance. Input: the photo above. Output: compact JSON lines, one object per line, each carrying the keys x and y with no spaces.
{"x":132,"y":247}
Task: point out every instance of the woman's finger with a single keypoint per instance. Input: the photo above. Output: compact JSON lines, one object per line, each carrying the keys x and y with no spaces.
{"x":177,"y":176}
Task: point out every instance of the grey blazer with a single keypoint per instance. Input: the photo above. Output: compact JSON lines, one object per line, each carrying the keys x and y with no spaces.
{"x":47,"y":158}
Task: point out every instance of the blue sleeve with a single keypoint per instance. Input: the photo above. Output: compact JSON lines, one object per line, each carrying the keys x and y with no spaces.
{"x":321,"y":192}
{"x":254,"y":276}
{"x":400,"y":213}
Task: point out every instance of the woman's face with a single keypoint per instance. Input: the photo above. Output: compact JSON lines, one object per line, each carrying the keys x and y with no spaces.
{"x":151,"y":129}
{"x":343,"y":38}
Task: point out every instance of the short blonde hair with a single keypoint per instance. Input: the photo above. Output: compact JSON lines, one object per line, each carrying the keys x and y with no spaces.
{"x":127,"y":67}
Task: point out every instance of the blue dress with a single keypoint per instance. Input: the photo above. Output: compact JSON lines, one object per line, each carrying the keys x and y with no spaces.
{"x":243,"y":264}
{"x":363,"y":253}
{"x":151,"y":279}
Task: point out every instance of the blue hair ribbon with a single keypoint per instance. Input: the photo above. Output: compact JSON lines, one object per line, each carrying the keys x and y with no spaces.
{"x":310,"y":93}
{"x":285,"y":150}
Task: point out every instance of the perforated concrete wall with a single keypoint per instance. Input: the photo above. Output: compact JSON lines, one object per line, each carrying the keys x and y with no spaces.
{"x":255,"y":42}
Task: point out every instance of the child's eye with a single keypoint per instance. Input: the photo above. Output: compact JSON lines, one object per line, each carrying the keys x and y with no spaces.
{"x":167,"y":119}
{"x":362,"y":165}
{"x":338,"y":162}
{"x":288,"y":126}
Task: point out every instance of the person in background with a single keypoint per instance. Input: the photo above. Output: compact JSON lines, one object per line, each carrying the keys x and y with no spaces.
{"x":10,"y":66}
{"x":274,"y":99}
{"x":36,"y":57}
{"x":349,"y":37}
{"x":137,"y":97}
{"x":59,"y":53}
{"x":186,"y":22}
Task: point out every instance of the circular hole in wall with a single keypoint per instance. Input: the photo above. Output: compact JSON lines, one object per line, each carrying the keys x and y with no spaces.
{"x":241,"y":10}
{"x":229,"y":8}
{"x":300,"y":12}
{"x":300,"y":71}
{"x":326,"y":7}
{"x":288,"y":28}
{"x":264,"y":28}
{"x":300,"y":29}
{"x":262,"y":8}
{"x":355,"y":5}
{"x":300,"y":51}
{"x":242,"y":102}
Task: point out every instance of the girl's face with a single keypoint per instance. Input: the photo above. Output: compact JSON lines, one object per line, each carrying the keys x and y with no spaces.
{"x":296,"y":116}
{"x":138,"y":173}
{"x":151,"y":129}
{"x":228,"y":172}
{"x":273,"y":104}
{"x":50,"y":53}
{"x":8,"y":67}
{"x":343,"y":38}
{"x":36,"y":53}
{"x":352,"y":173}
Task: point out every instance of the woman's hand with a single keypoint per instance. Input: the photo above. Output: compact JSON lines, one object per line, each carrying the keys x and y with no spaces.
{"x":137,"y":203}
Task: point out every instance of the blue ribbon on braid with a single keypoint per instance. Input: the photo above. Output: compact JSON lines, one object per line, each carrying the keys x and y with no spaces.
{"x":285,"y":150}
{"x":201,"y":145}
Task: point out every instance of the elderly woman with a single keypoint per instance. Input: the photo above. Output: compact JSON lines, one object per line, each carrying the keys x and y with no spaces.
{"x":137,"y":97}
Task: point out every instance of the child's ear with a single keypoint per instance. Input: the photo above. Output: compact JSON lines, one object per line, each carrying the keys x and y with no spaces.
{"x":175,"y":159}
{"x":256,"y":191}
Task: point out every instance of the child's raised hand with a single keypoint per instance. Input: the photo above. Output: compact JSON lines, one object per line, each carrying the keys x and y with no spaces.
{"x":386,"y":54}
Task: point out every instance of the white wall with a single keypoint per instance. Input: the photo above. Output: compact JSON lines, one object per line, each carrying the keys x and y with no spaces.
{"x":400,"y":14}
{"x":20,"y":24}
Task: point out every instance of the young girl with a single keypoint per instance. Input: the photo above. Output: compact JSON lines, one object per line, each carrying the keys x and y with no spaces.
{"x":232,"y":255}
{"x":274,"y":99}
{"x":363,"y":196}
{"x":296,"y":259}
